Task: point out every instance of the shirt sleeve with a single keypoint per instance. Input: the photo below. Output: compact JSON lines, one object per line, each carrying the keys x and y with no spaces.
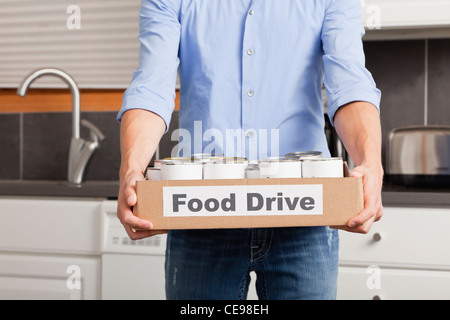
{"x":346,"y":77}
{"x":153,"y":84}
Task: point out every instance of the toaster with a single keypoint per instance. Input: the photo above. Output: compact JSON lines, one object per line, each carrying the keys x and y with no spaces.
{"x":420,"y":155}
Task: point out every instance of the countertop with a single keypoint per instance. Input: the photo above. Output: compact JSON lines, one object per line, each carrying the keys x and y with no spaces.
{"x":392,"y":195}
{"x":44,"y":188}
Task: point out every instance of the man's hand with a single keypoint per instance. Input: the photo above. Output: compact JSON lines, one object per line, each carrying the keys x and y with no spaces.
{"x":358,"y":126}
{"x":140,"y":132}
{"x":373,"y":208}
{"x":135,"y":227}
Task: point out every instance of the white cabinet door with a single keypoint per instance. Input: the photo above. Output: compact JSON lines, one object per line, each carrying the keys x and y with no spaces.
{"x":34,"y":276}
{"x":405,"y":236}
{"x":50,"y":225}
{"x":391,"y":14}
{"x":357,"y":283}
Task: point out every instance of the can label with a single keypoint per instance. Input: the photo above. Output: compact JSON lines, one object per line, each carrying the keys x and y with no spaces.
{"x":260,"y":200}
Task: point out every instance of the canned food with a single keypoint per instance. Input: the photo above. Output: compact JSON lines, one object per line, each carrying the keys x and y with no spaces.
{"x":174,"y":160}
{"x":229,"y":160}
{"x":176,"y":169}
{"x":252,"y":171}
{"x":204,"y":157}
{"x":304,"y":154}
{"x":280,"y":167}
{"x":153,"y":173}
{"x":323,"y":168}
{"x":225,"y":168}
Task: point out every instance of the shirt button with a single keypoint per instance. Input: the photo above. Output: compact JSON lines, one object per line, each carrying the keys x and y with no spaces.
{"x":250,"y":51}
{"x":250,"y":93}
{"x":251,"y":12}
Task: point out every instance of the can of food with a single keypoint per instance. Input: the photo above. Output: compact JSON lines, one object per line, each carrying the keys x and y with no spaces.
{"x":280,"y":167}
{"x":225,"y":168}
{"x":304,"y":154}
{"x":175,"y":160}
{"x":252,"y":171}
{"x":153,"y":173}
{"x":204,"y":157}
{"x":229,"y":160}
{"x":323,"y":168}
{"x":181,"y":170}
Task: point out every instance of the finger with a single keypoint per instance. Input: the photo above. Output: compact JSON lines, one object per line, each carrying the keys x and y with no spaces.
{"x":130,"y":196}
{"x":131,"y":200}
{"x":363,"y":228}
{"x":361,"y":218}
{"x":140,"y":234}
{"x":357,"y":172}
{"x":137,"y":223}
{"x":127,"y":217}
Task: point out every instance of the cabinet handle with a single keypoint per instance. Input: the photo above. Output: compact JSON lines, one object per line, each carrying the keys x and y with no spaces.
{"x":376,"y":237}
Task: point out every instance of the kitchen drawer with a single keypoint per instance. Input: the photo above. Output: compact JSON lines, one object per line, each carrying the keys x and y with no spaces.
{"x":357,"y":283}
{"x":54,"y":225}
{"x":25,"y":276}
{"x":413,"y":236}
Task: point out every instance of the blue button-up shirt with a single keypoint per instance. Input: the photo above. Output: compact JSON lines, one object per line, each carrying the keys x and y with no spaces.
{"x":251,"y":71}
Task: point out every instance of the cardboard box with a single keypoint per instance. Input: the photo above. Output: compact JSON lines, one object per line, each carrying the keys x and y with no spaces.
{"x":249,"y":203}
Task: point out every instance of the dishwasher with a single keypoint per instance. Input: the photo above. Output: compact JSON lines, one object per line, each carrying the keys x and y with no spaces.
{"x":131,"y":270}
{"x":134,"y":270}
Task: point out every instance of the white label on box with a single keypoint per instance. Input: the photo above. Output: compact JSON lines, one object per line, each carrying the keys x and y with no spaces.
{"x":260,"y":200}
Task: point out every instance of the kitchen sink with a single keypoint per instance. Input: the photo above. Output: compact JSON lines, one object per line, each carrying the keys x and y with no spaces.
{"x":59,"y":188}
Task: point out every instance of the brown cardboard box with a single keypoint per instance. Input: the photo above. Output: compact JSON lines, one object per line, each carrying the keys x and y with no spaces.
{"x":249,"y":203}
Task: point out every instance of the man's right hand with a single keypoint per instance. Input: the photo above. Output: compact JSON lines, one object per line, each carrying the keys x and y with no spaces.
{"x":135,"y":227}
{"x":140,"y":133}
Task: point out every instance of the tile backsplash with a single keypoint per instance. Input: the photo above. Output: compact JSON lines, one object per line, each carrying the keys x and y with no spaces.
{"x":413,"y":75}
{"x":35,"y":146}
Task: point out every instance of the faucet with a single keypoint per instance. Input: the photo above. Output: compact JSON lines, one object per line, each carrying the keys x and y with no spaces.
{"x":80,"y":150}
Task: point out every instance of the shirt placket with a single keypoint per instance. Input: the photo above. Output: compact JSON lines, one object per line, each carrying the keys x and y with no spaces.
{"x":249,"y":78}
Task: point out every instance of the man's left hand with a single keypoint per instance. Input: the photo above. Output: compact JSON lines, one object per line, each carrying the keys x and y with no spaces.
{"x":373,"y":209}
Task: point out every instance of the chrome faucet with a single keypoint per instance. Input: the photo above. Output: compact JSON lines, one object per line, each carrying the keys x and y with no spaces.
{"x":80,"y":150}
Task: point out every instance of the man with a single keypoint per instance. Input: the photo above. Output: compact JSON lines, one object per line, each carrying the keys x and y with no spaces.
{"x":252,"y":65}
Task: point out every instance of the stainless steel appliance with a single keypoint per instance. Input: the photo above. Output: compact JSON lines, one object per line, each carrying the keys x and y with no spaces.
{"x":420,"y":156}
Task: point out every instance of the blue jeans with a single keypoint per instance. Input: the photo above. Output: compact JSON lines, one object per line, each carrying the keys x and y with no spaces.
{"x":290,"y":263}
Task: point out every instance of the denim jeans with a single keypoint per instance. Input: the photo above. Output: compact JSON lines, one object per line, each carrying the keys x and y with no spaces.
{"x":290,"y":263}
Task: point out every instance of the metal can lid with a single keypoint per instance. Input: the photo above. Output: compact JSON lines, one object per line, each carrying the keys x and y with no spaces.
{"x":204,"y":155}
{"x":175,"y":161}
{"x":278,"y":159}
{"x":231,"y":160}
{"x":303,"y":154}
{"x":252,"y":166}
{"x":321,"y":159}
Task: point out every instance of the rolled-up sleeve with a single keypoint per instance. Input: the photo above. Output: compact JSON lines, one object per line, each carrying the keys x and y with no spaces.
{"x":153,"y":84}
{"x":346,"y":77}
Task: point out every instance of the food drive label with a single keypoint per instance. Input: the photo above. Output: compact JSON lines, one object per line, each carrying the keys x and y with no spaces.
{"x":207,"y":201}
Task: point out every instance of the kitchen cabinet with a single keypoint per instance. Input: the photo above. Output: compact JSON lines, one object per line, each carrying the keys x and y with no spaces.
{"x":405,"y":19}
{"x":50,"y":277}
{"x":404,"y":256}
{"x":50,"y":248}
{"x":382,"y":14}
